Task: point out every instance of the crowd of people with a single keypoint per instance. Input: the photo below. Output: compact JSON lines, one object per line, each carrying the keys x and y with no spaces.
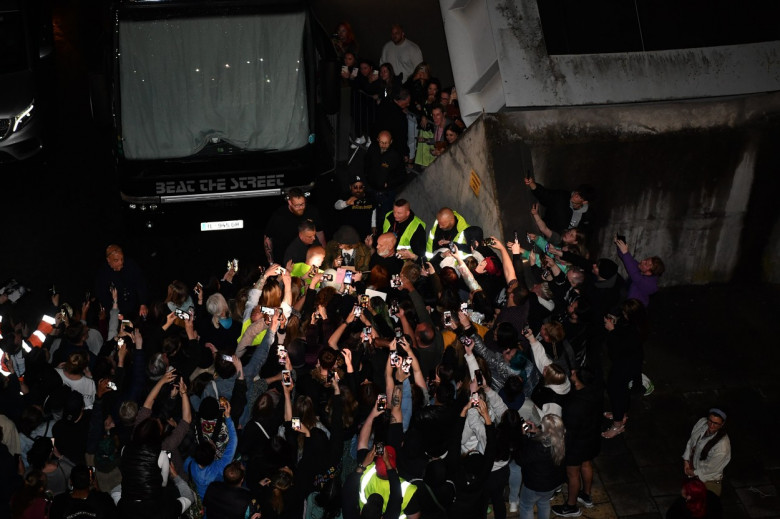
{"x":396,"y":370}
{"x":398,"y":93}
{"x":400,"y":368}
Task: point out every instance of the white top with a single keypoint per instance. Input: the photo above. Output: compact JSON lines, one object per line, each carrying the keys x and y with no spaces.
{"x":84,"y":385}
{"x":542,"y":361}
{"x":404,"y":57}
{"x":711,"y":468}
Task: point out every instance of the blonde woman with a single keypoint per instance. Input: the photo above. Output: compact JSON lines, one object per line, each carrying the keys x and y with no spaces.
{"x":542,"y":463}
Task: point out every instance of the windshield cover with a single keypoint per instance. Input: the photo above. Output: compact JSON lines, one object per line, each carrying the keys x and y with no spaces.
{"x":186,"y":81}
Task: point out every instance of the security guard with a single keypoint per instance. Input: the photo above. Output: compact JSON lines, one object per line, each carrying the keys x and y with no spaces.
{"x":374,"y":480}
{"x":408,"y":228}
{"x":448,"y":228}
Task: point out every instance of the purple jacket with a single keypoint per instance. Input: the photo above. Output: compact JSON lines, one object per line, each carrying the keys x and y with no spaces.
{"x":641,"y":287}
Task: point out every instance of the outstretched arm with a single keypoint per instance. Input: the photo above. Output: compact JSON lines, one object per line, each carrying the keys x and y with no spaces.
{"x":506,"y":261}
{"x":186,"y":407}
{"x":365,"y":430}
{"x":167,"y":378}
{"x":539,"y":222}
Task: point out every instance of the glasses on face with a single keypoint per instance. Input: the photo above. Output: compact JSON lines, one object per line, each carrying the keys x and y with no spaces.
{"x":716,"y":424}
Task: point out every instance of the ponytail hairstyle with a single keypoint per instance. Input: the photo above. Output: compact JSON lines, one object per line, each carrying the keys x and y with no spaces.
{"x":76,"y":363}
{"x":280,"y":483}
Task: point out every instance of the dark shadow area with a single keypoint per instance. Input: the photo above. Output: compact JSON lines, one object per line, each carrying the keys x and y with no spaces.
{"x":572,"y":27}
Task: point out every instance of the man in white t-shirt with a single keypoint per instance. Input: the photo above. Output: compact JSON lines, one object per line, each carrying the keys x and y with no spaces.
{"x":401,"y":53}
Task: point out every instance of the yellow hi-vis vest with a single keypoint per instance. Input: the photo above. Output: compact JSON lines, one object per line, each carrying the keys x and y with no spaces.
{"x":371,"y":483}
{"x":405,"y":239}
{"x":461,"y":226}
{"x":257,"y":340}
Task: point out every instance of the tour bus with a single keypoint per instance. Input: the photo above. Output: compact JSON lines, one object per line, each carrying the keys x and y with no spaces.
{"x":214,"y":102}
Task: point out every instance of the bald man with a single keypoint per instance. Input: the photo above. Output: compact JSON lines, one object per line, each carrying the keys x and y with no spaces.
{"x":448,"y":228}
{"x":384,"y":170}
{"x":401,"y":52}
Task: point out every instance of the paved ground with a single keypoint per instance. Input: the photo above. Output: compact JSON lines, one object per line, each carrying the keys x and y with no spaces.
{"x":711,"y":345}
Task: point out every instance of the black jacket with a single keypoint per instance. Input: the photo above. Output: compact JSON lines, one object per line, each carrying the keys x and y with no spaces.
{"x":582,"y":418}
{"x":539,"y":472}
{"x":392,"y":118}
{"x":141,"y":476}
{"x":384,"y":170}
{"x":225,"y":501}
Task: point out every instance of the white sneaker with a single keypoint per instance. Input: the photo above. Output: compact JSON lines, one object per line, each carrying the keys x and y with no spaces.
{"x":513,"y":507}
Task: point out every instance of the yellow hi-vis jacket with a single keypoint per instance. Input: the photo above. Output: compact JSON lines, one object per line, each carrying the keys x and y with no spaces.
{"x":461,"y":225}
{"x":405,"y":240}
{"x":371,"y":483}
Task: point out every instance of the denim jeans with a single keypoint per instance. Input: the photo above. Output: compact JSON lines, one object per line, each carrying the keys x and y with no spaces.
{"x":406,"y":403}
{"x":515,"y":480}
{"x":530,"y":497}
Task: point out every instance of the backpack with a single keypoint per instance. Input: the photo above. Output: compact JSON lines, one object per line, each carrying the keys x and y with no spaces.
{"x":107,"y":454}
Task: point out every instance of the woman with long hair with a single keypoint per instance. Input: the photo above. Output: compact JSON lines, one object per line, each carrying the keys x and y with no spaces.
{"x":257,"y":436}
{"x":542,"y":464}
{"x":552,"y":337}
{"x":388,"y":82}
{"x":582,"y":418}
{"x":418,"y":87}
{"x":30,"y":501}
{"x":626,"y":335}
{"x":344,"y":40}
{"x":44,"y":458}
{"x":278,"y":498}
{"x":178,"y":297}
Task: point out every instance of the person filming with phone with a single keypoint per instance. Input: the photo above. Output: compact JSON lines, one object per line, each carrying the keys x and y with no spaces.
{"x":446,"y":229}
{"x":643,"y":275}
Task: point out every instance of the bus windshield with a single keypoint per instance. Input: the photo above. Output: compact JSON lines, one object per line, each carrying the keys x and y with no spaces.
{"x":185,"y":82}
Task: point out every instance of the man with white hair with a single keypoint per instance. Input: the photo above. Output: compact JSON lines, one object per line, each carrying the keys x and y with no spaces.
{"x":385,"y":254}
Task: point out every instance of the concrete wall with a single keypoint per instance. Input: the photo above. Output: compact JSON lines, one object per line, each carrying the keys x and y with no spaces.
{"x":500,"y":61}
{"x":447,"y":183}
{"x":692,"y":182}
